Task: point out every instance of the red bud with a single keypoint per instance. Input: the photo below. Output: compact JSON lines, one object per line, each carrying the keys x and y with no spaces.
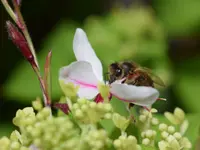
{"x":99,"y":98}
{"x":63,"y":107}
{"x":19,"y":40}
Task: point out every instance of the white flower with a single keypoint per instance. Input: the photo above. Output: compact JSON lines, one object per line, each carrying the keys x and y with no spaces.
{"x":87,"y":72}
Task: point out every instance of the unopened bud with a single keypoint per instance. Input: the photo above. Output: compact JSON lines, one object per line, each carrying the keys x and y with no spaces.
{"x":171,"y":118}
{"x":146,"y":141}
{"x":120,"y":121}
{"x":179,"y":113}
{"x":19,"y":40}
{"x":63,"y":107}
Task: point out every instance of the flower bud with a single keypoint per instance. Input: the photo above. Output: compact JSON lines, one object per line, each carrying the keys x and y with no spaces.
{"x":174,"y":144}
{"x":153,"y":110}
{"x":4,"y":143}
{"x":24,"y":148}
{"x":104,"y":90}
{"x":163,"y":145}
{"x":162,"y":127}
{"x":84,"y":107}
{"x":177,"y":135}
{"x":37,"y":104}
{"x":171,"y":129}
{"x":154,"y":121}
{"x":78,"y":113}
{"x":149,"y":133}
{"x":63,"y":107}
{"x":19,"y":40}
{"x":108,"y":116}
{"x":184,"y":127}
{"x":171,"y":118}
{"x":117,"y":143}
{"x":15,"y":136}
{"x":179,"y":113}
{"x":93,"y":105}
{"x":69,"y":89}
{"x":186,"y":143}
{"x":164,"y":134}
{"x":146,"y":141}
{"x":120,"y":121}
{"x":15,"y":145}
{"x":142,"y":118}
{"x":46,"y":111}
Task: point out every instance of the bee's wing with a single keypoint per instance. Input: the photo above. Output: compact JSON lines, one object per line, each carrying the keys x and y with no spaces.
{"x":156,"y":79}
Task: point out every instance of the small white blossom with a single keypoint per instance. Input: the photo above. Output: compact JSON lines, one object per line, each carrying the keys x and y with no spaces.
{"x":87,"y":73}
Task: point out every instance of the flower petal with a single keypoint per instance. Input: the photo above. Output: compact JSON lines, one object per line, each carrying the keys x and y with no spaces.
{"x":81,"y":73}
{"x":139,"y":95}
{"x":84,"y":52}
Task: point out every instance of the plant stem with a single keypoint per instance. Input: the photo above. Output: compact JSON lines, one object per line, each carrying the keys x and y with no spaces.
{"x":9,"y":10}
{"x":47,"y":76}
{"x":45,"y":96}
{"x":21,"y":24}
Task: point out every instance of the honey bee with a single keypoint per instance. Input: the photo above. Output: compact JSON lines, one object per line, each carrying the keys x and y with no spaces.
{"x":133,"y":73}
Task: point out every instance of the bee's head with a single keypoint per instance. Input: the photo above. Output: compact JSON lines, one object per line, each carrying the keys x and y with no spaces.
{"x":115,"y":72}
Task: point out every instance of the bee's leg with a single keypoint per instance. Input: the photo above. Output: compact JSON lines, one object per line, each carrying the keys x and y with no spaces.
{"x":131,"y":116}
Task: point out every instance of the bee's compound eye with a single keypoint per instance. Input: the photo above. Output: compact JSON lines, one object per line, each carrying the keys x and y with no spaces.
{"x":118,"y":72}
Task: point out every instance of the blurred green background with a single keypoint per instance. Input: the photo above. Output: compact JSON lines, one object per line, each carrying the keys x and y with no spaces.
{"x":162,"y":35}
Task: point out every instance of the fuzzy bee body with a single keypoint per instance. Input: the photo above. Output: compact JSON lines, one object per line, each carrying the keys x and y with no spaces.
{"x":133,"y":74}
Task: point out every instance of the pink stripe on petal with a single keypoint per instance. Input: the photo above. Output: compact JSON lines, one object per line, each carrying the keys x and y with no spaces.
{"x":129,"y":101}
{"x":83,"y":83}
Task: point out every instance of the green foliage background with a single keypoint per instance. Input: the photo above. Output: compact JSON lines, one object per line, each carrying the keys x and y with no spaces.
{"x":124,"y":34}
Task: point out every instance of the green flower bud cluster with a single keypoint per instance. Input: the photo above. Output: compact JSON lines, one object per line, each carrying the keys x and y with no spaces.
{"x":24,"y":117}
{"x":41,"y":130}
{"x":120,"y":121}
{"x":172,"y":139}
{"x":146,"y":119}
{"x":80,"y":131}
{"x":69,"y":89}
{"x":126,"y":143}
{"x":146,"y":116}
{"x":11,"y":144}
{"x":97,"y":140}
{"x":90,"y":112}
{"x":37,"y":104}
{"x":178,"y":118}
{"x":148,"y":137}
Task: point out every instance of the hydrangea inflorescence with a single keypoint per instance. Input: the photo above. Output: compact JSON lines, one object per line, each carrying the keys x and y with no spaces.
{"x":81,"y":128}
